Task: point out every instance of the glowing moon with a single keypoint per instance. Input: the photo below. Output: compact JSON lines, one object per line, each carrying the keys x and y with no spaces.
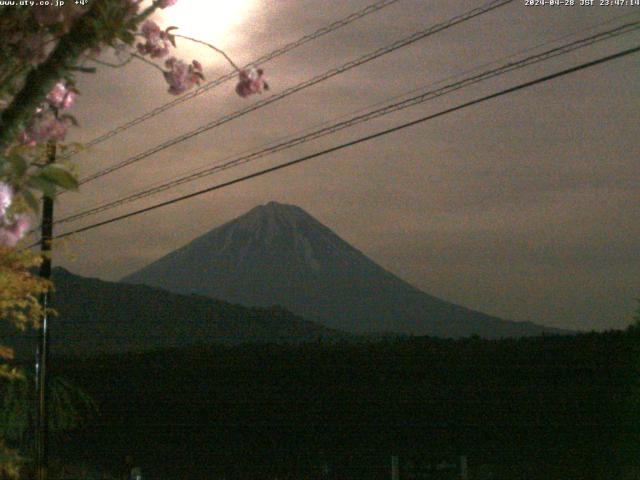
{"x":207,"y":20}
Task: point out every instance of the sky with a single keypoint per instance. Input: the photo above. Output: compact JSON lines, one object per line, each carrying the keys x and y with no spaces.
{"x":524,"y":207}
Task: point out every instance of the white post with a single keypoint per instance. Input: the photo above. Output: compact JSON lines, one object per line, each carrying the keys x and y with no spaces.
{"x":464,"y":468}
{"x":395,"y":467}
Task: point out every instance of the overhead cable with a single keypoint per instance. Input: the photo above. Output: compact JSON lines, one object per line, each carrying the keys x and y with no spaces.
{"x":357,"y":119}
{"x":369,"y":9}
{"x":301,"y":86}
{"x":351,"y":143}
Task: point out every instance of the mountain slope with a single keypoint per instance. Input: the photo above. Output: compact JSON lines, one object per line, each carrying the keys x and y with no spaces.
{"x":280,"y":255}
{"x":94,"y":316}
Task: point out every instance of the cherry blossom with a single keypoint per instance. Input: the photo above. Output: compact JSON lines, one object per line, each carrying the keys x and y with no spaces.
{"x":6,"y":197}
{"x":61,"y":96}
{"x":10,"y":234}
{"x":181,"y":76}
{"x":157,"y":44}
{"x":151,"y":31}
{"x":43,"y":126}
{"x":11,"y":231}
{"x":251,"y":81}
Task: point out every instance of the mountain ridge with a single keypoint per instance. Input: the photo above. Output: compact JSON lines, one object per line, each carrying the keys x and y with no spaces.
{"x":278,"y":254}
{"x":95,"y":317}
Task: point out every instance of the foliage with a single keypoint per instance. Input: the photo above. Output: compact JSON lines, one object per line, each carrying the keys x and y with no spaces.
{"x":19,"y":305}
{"x":69,"y":407}
{"x":10,"y":462}
{"x":20,"y":289}
{"x":556,"y":404}
{"x":43,"y":49}
{"x":636,"y":317}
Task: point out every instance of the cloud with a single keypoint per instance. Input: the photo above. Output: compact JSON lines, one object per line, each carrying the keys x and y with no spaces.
{"x":523,"y":206}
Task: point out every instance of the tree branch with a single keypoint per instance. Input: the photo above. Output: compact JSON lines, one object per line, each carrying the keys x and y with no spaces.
{"x":84,"y":35}
{"x":109,"y":64}
{"x":149,"y":62}
{"x":210,"y":46}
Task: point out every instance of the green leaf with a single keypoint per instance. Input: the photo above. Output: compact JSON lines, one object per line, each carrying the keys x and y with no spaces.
{"x":59,"y":176}
{"x":32,"y":201}
{"x":19,"y":165}
{"x":127,"y":37}
{"x":45,"y":186}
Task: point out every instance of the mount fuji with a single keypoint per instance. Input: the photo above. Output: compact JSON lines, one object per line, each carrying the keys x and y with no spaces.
{"x":278,"y":254}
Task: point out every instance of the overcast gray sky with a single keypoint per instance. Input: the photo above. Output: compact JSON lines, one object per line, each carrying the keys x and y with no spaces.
{"x":525,"y":207}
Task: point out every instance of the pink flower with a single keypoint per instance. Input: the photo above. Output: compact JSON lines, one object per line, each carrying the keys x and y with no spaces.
{"x":58,"y":130}
{"x":151,"y":31}
{"x":158,"y":50}
{"x":61,"y":96}
{"x":10,"y":234}
{"x":43,"y":127}
{"x":251,"y":81}
{"x":181,"y":77}
{"x":157,"y":44}
{"x":6,"y":197}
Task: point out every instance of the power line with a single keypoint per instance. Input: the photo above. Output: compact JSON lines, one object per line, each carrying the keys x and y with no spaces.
{"x":355,"y":120}
{"x":199,"y":172}
{"x":305,"y":158}
{"x":372,"y":8}
{"x":301,"y":86}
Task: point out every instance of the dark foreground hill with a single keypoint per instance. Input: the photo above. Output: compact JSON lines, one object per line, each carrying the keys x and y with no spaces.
{"x":552,"y":408}
{"x":280,"y":255}
{"x":94,"y":317}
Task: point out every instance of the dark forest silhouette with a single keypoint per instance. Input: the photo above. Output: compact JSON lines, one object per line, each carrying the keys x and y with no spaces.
{"x":543,"y":407}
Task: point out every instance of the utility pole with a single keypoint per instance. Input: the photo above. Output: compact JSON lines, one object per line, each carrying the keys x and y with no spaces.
{"x":464,"y":468}
{"x":395,"y":467}
{"x":42,"y":354}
